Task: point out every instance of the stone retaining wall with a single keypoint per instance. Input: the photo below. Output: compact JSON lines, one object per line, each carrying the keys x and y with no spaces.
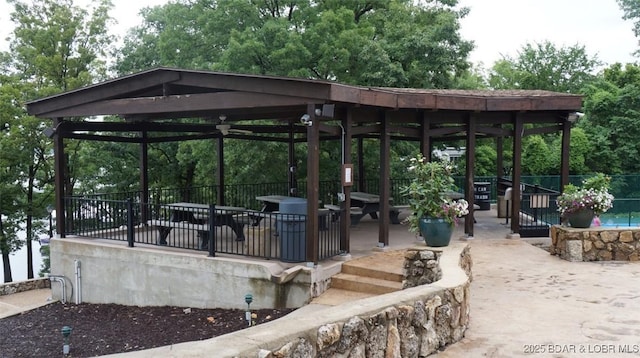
{"x":21,"y":286}
{"x":595,"y":243}
{"x":416,"y":321}
{"x":404,"y":330}
{"x":421,"y":267}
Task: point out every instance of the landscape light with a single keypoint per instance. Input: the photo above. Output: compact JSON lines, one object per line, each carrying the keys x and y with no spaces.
{"x":66,"y":332}
{"x":248,"y":298}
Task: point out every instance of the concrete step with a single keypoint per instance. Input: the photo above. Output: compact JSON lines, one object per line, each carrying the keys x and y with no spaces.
{"x":337,"y":296}
{"x":364,"y":277}
{"x":364,"y":284}
{"x":385,"y":266}
{"x":358,"y":269}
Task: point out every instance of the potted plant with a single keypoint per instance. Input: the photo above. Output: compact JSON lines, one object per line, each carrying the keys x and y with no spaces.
{"x":429,"y":194}
{"x":579,"y":205}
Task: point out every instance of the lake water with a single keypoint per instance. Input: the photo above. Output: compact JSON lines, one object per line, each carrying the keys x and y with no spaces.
{"x":18,"y":261}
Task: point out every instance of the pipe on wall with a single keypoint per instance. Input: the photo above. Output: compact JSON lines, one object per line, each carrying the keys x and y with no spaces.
{"x":76,"y":264}
{"x":63,"y":283}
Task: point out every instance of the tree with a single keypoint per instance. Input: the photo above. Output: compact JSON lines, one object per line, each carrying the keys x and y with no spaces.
{"x":544,"y":67}
{"x":535,"y":156}
{"x":611,"y":121}
{"x":378,"y":43}
{"x":631,"y":9}
{"x":384,"y":43}
{"x":55,"y":47}
{"x":580,"y":147}
{"x":393,"y":43}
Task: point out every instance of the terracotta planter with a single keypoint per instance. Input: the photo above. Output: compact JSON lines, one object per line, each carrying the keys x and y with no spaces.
{"x":581,"y":219}
{"x":435,"y":231}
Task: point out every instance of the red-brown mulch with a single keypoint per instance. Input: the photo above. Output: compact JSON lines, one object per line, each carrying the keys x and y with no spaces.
{"x":100,"y":329}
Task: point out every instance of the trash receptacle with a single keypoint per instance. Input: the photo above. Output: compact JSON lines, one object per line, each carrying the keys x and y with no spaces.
{"x":502,"y":206}
{"x":482,"y":195}
{"x":291,"y":227}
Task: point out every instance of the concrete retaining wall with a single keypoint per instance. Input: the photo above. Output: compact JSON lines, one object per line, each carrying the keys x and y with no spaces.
{"x":150,"y":277}
{"x":413,"y":322}
{"x":595,"y":243}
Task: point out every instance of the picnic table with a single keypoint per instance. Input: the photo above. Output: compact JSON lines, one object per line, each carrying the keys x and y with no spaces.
{"x":196,"y":217}
{"x":363,"y":204}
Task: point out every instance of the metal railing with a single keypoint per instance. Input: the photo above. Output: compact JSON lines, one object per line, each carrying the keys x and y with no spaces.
{"x":101,"y":211}
{"x":216,"y":229}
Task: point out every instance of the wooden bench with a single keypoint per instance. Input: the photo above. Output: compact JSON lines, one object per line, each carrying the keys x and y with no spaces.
{"x":165,"y":226}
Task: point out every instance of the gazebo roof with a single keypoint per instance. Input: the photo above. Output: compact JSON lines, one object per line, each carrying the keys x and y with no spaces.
{"x":167,"y":93}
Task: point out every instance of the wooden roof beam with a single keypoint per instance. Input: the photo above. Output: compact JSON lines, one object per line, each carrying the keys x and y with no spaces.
{"x":218,"y":101}
{"x":109,"y":89}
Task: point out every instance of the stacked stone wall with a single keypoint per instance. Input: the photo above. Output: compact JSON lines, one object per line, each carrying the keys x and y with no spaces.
{"x":27,"y":285}
{"x":595,"y":244}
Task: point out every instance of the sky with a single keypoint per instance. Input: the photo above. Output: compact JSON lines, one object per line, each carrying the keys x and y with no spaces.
{"x":497,"y":27}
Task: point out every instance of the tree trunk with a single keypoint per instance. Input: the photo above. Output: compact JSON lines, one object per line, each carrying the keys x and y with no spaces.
{"x":5,"y":254}
{"x":29,"y":238}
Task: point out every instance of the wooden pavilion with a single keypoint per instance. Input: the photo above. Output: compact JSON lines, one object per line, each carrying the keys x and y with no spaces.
{"x":210,"y":104}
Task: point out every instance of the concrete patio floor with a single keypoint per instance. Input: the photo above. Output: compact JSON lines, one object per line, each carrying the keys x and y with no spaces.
{"x":524,"y":302}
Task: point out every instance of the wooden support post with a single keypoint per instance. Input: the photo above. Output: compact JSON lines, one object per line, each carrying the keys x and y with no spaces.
{"x":220,"y":191}
{"x":345,"y":218}
{"x":385,"y":180}
{"x":469,"y":187}
{"x":518,"y":131}
{"x":313,"y":182}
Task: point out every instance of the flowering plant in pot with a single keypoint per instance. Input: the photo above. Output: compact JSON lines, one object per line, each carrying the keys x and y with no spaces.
{"x":429,"y":197}
{"x":578,"y":205}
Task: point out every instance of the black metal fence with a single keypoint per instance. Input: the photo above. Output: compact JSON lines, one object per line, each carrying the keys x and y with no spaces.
{"x":110,"y":215}
{"x":204,"y":227}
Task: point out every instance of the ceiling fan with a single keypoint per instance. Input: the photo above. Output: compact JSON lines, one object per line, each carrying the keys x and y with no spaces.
{"x":225,"y":128}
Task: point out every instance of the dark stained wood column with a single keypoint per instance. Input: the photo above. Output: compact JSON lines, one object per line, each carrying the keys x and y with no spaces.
{"x":361,"y":178}
{"x":500,"y":157}
{"x":425,"y":139}
{"x":144,"y":177}
{"x":471,"y":159}
{"x":60,"y":170}
{"x":385,"y":180}
{"x":345,"y":217}
{"x":518,"y":129}
{"x":564,"y":156}
{"x":293,"y":182}
{"x":313,"y":183}
{"x":220,"y":191}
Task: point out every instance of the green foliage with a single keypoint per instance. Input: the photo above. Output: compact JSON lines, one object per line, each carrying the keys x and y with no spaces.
{"x":631,"y":9}
{"x":45,"y":251}
{"x":485,"y":160}
{"x":544,"y":67}
{"x":535,"y":156}
{"x":612,"y":121}
{"x":377,"y":43}
{"x":580,"y":149}
{"x":54,"y":47}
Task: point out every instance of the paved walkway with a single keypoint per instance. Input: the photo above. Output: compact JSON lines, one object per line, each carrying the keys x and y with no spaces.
{"x":23,"y":301}
{"x":525,"y":302}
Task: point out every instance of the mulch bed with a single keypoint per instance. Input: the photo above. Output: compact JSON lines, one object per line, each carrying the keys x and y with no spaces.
{"x":100,"y":329}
